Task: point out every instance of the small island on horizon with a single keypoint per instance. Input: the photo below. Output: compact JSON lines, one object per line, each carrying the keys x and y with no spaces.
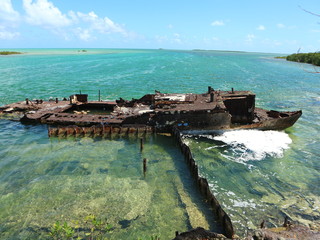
{"x":9,"y":52}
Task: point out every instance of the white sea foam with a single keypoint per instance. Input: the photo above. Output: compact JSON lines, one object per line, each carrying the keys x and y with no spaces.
{"x":254,"y":144}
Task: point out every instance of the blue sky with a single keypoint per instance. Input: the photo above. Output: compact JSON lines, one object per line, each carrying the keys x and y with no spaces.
{"x":279,"y":26}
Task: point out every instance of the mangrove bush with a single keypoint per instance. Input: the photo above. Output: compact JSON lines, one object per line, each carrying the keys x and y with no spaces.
{"x":311,"y":58}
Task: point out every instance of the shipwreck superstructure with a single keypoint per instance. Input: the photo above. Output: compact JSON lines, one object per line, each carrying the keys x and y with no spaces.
{"x":210,"y":111}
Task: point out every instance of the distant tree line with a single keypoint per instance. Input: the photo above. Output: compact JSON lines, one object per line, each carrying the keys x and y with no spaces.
{"x":8,"y":52}
{"x":312,"y":58}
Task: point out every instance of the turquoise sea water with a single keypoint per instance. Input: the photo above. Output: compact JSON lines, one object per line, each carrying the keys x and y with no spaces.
{"x":255,"y":175}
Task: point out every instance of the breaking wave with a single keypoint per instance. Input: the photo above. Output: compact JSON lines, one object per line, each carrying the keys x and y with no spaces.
{"x":246,"y":145}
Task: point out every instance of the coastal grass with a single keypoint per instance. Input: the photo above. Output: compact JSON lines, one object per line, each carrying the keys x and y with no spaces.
{"x":9,"y":52}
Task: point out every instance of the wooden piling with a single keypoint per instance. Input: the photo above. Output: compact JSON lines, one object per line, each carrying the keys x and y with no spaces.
{"x":70,"y":131}
{"x":144,"y":166}
{"x":141,"y":144}
{"x":203,"y":185}
{"x":100,"y":131}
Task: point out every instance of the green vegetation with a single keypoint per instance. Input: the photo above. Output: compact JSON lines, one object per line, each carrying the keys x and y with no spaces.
{"x":281,"y":57}
{"x":311,"y":58}
{"x":91,"y":228}
{"x":9,"y":52}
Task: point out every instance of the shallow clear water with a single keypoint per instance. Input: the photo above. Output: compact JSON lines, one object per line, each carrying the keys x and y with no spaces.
{"x":43,"y":180}
{"x":47,"y":180}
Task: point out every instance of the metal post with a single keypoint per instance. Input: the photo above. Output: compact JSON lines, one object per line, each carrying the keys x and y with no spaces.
{"x":211,"y":96}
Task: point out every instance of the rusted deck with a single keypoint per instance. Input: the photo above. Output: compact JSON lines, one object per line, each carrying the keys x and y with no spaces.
{"x":210,"y":111}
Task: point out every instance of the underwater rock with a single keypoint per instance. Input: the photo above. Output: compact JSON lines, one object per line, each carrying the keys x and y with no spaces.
{"x":299,"y":232}
{"x":199,"y":233}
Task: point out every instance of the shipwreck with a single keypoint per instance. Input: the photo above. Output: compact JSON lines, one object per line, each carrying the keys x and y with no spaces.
{"x":159,"y":112}
{"x":173,"y":113}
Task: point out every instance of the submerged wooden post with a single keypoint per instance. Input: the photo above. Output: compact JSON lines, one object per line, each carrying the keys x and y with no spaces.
{"x":27,"y":101}
{"x":99,"y":96}
{"x":141,"y":144}
{"x":144,"y":166}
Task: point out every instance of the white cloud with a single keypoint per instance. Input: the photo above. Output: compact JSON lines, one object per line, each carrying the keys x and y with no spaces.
{"x":85,"y":26}
{"x":280,"y":25}
{"x":9,"y":19}
{"x":44,"y":13}
{"x":161,"y":39}
{"x":218,"y":23}
{"x":7,"y":13}
{"x":174,"y":38}
{"x":170,"y":26}
{"x":7,"y":35}
{"x":102,"y":25}
{"x":84,"y":34}
{"x":177,"y":38}
{"x":250,"y":38}
{"x":261,"y":28}
{"x":271,"y":42}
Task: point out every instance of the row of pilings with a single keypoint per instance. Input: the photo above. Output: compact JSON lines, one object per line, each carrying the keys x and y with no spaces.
{"x":203,"y":185}
{"x":99,"y":131}
{"x":109,"y":131}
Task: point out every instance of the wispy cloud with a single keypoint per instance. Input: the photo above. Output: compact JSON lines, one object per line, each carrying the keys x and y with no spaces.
{"x":218,"y":23}
{"x":174,"y":38}
{"x":250,"y":38}
{"x":261,"y":28}
{"x":161,"y":39}
{"x":280,"y":25}
{"x":7,"y":35}
{"x":177,"y":38}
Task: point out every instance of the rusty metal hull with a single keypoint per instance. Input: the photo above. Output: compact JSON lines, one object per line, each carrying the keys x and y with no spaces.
{"x":211,"y":111}
{"x":270,"y":123}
